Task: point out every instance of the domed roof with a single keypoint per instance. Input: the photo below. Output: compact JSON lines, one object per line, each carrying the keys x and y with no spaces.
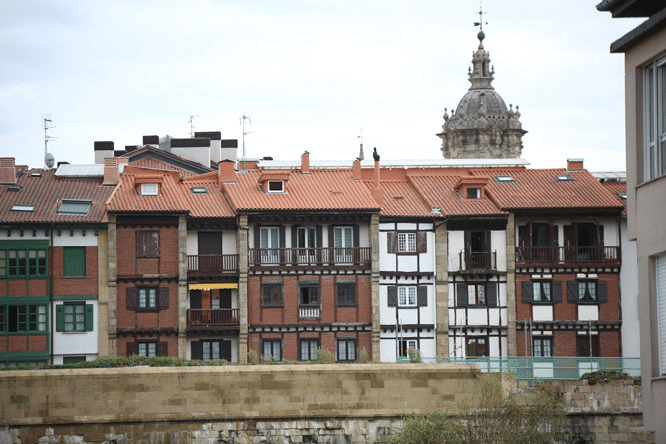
{"x":481,"y":102}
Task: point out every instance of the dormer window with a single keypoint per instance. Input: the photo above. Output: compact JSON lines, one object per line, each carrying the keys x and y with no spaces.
{"x":149,"y":189}
{"x":474,"y":193}
{"x":275,"y":186}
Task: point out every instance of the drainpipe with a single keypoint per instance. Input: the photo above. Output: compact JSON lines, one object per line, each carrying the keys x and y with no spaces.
{"x":51,"y":306}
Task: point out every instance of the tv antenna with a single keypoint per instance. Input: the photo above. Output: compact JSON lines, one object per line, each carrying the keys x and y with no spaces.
{"x":191,"y":122}
{"x":47,"y":124}
{"x":243,"y":118}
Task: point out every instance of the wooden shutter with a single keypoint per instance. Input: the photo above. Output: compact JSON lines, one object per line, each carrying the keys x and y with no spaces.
{"x":294,"y":236}
{"x":392,"y":296}
{"x":147,"y":243}
{"x":225,"y":350}
{"x":523,"y":235}
{"x":556,"y":291}
{"x":197,"y":350}
{"x":356,"y":236}
{"x":132,"y":298}
{"x":282,"y":236}
{"x":602,"y":291}
{"x":528,"y":295}
{"x":320,"y":241}
{"x":225,"y":298}
{"x":60,"y":317}
{"x":491,"y":294}
{"x":162,"y":348}
{"x":572,"y":291}
{"x":462,"y":297}
{"x":163,"y":298}
{"x":391,"y":242}
{"x":132,"y":348}
{"x":89,"y":317}
{"x":257,"y":237}
{"x":195,"y":299}
{"x":422,"y":296}
{"x":421,"y":242}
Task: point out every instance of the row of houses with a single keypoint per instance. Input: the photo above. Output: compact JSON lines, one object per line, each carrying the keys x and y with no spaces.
{"x":157,"y":254}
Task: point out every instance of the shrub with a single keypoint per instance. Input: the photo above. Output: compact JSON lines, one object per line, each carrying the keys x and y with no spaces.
{"x":325,"y":356}
{"x":363,"y":356}
{"x":414,"y":355}
{"x":603,"y":376}
{"x":252,"y":357}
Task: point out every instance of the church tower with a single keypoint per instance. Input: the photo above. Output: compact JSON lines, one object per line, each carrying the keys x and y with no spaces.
{"x":482,"y":127}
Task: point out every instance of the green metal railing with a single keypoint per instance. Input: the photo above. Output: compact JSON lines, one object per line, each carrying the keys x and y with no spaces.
{"x":535,"y":368}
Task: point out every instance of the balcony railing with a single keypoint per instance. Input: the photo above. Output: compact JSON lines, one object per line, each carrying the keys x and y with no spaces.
{"x":357,"y":256}
{"x":215,"y":317}
{"x":486,"y":260}
{"x":312,"y":311}
{"x":568,"y":255}
{"x":212,"y":264}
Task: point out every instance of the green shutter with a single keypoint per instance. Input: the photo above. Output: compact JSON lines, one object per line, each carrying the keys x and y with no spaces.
{"x":89,"y":317}
{"x":74,"y":262}
{"x":60,"y":317}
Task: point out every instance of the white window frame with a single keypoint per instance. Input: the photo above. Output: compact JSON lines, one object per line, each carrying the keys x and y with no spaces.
{"x":542,"y":296}
{"x":275,"y":186}
{"x":654,"y":120}
{"x":149,"y":189}
{"x":660,"y":296}
{"x":147,"y":349}
{"x":147,"y":297}
{"x":407,"y":297}
{"x":406,"y":242}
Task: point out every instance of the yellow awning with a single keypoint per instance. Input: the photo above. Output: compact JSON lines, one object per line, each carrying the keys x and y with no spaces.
{"x":211,"y":286}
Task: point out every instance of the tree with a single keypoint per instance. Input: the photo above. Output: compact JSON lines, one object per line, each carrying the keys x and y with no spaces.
{"x":504,"y":414}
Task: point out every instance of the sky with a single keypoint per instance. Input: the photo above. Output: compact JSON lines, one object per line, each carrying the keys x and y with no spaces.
{"x":320,"y":76}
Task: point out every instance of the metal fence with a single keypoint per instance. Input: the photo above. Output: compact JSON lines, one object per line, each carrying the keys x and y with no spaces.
{"x":554,"y":368}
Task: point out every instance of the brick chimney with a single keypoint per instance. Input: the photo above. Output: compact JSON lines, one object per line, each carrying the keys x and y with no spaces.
{"x":226,"y":172}
{"x":305,"y":163}
{"x":376,"y":190}
{"x":112,"y":167}
{"x":575,"y":165}
{"x":7,"y":171}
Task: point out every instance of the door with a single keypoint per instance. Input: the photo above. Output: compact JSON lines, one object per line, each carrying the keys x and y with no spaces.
{"x":269,"y":242}
{"x":210,"y":250}
{"x":343,"y":243}
{"x":306,"y":244}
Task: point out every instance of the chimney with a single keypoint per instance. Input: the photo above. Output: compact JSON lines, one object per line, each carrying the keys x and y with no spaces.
{"x":196,"y":150}
{"x":376,"y":181}
{"x":151,"y":140}
{"x":376,"y":190}
{"x":226,"y":172}
{"x":305,"y":163}
{"x":356,"y":169}
{"x":7,"y":171}
{"x":103,"y":149}
{"x":575,"y":164}
{"x":215,"y":138}
{"x":228,"y":149}
{"x":111,"y":173}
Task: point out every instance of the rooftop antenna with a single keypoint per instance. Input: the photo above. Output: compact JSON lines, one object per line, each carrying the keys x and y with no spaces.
{"x":243,"y":118}
{"x":481,"y":34}
{"x":191,"y":122}
{"x":360,"y":137}
{"x":47,"y":124}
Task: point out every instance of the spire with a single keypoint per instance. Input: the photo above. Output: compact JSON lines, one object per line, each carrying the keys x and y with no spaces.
{"x":481,"y":74}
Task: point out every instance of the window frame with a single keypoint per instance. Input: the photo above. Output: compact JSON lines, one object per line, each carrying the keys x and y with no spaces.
{"x":275,"y":345}
{"x":18,"y":263}
{"x":309,"y":290}
{"x":476,"y":297}
{"x":654,"y":121}
{"x":541,"y":283}
{"x":542,"y":341}
{"x":145,"y":302}
{"x":147,"y":243}
{"x":275,"y":186}
{"x":476,"y":339}
{"x":406,"y":242}
{"x":273,"y":300}
{"x":345,"y":300}
{"x":344,"y":355}
{"x":405,"y":344}
{"x":589,"y":286}
{"x":30,"y":318}
{"x":62,"y":316}
{"x":311,"y":352}
{"x":149,"y":189}
{"x":405,"y":293}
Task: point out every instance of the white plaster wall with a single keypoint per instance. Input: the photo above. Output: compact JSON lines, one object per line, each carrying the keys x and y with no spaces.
{"x":611,"y":233}
{"x":498,"y":245}
{"x":494,"y":316}
{"x":75,"y":343}
{"x":427,"y":347}
{"x":229,"y":242}
{"x":192,"y":243}
{"x":408,"y":315}
{"x":364,"y":235}
{"x":456,"y":245}
{"x":477,"y":316}
{"x":408,"y":262}
{"x":494,"y":346}
{"x":407,"y":226}
{"x":387,"y":350}
{"x":77,"y":240}
{"x":629,"y":296}
{"x":588,"y":312}
{"x":58,"y":359}
{"x":542,"y":312}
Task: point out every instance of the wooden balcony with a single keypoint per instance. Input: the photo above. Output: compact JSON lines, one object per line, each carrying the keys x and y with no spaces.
{"x":556,"y":255}
{"x":212,"y":265}
{"x":201,"y":319}
{"x":309,"y":312}
{"x":310,"y":257}
{"x":477,"y":261}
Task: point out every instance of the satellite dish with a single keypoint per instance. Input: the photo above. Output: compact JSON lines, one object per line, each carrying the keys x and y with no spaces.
{"x":49,"y":160}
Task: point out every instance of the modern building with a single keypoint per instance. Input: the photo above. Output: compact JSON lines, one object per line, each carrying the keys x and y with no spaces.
{"x":644,"y":50}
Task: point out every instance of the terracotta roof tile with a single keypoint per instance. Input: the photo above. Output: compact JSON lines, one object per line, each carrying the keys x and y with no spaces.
{"x":618,"y":189}
{"x":439,"y":192}
{"x":402,"y":199}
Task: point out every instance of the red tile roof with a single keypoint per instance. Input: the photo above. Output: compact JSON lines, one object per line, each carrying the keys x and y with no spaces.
{"x":402,"y":199}
{"x":46,"y":191}
{"x":616,"y":189}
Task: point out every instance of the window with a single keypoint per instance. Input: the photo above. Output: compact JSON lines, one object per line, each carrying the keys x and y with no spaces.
{"x":275,"y":186}
{"x":199,"y":190}
{"x":72,"y":317}
{"x":269,"y":242}
{"x":74,"y":262}
{"x":23,"y":262}
{"x":654,"y":121}
{"x":23,"y":208}
{"x":406,"y":242}
{"x":587,"y":291}
{"x":587,"y":346}
{"x":211,"y":350}
{"x":474,"y":193}
{"x":476,"y":294}
{"x":308,"y":293}
{"x":660,"y":290}
{"x":346,"y":350}
{"x":346,"y":293}
{"x":308,"y":349}
{"x":148,"y":348}
{"x":23,"y":318}
{"x":149,"y":189}
{"x":477,"y":346}
{"x":73,"y":359}
{"x":306,"y":237}
{"x":74,"y":207}
{"x":405,"y":345}
{"x":271,"y":293}
{"x":406,"y":296}
{"x":505,"y":179}
{"x":542,"y":347}
{"x":565,"y":178}
{"x":343,"y":237}
{"x":272,"y":349}
{"x":147,"y":297}
{"x":542,"y":291}
{"x":147,"y":243}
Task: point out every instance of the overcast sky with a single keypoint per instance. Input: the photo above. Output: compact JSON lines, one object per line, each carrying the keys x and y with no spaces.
{"x":309,"y":73}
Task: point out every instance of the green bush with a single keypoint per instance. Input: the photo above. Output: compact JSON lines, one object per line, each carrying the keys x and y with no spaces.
{"x":603,"y":376}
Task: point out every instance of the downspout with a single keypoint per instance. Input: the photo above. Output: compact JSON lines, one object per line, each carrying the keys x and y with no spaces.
{"x":51,"y":306}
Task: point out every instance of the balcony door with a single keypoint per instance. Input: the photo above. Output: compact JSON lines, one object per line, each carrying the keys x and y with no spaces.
{"x":210,"y":250}
{"x":306,"y":244}
{"x":269,"y":242}
{"x":343,"y":242}
{"x":477,"y":249}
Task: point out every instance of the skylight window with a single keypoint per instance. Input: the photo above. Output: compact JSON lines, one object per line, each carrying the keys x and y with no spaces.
{"x":24,"y":208}
{"x":74,"y":207}
{"x":505,"y":179}
{"x":623,"y":196}
{"x":199,"y":190}
{"x":565,"y":178}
